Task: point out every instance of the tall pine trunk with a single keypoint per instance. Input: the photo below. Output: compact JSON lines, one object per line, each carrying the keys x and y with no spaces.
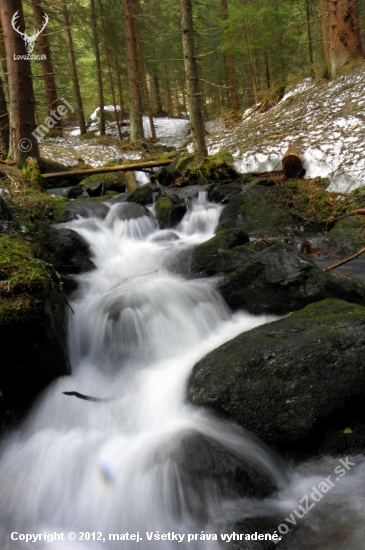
{"x":143,"y":73}
{"x":325,"y":30}
{"x":47,"y":65}
{"x":192,"y":81}
{"x":136,"y":123}
{"x":21,"y":95}
{"x":345,"y":41}
{"x":73,"y":69}
{"x":156,"y":84}
{"x":99,"y":74}
{"x":230,"y":65}
{"x":4,"y":123}
{"x":309,"y":33}
{"x":107,"y":53}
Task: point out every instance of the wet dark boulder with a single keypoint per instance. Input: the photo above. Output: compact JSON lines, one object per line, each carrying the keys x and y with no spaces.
{"x":347,"y":237}
{"x":223,"y":192}
{"x":285,"y":379}
{"x":280,"y":279}
{"x":73,"y":251}
{"x":33,"y":345}
{"x":257,"y":211}
{"x":222,"y":253}
{"x":5,"y":211}
{"x":143,"y":195}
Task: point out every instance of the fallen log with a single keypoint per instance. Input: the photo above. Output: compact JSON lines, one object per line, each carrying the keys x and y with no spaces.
{"x":292,"y":163}
{"x":345,"y":260}
{"x":106,"y":169}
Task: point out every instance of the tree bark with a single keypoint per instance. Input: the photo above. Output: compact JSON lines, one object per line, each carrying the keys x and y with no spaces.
{"x":3,"y":67}
{"x":47,"y":65}
{"x":107,"y":169}
{"x":99,"y":74}
{"x":143,"y":76}
{"x":4,"y":124}
{"x":107,"y":53}
{"x":325,"y":30}
{"x":73,"y":69}
{"x":21,"y":104}
{"x":192,"y":81}
{"x":156,"y":84}
{"x":309,"y":33}
{"x":136,"y":124}
{"x":345,"y":41}
{"x":230,"y":65}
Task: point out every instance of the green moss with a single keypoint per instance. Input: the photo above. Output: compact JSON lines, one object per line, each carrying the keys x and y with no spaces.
{"x":348,"y":236}
{"x":24,"y":279}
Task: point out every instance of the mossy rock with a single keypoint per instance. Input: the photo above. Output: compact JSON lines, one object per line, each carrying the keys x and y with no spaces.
{"x":98,"y":184}
{"x":288,"y":381}
{"x":143,"y":195}
{"x":169,"y":211}
{"x":347,"y":237}
{"x":224,"y":192}
{"x":222,"y":253}
{"x":280,"y":279}
{"x":256,"y":210}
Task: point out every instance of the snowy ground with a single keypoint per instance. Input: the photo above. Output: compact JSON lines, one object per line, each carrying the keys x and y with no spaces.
{"x":325,"y":120}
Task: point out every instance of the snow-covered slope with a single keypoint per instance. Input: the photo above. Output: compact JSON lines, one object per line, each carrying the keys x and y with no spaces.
{"x":324,"y":119}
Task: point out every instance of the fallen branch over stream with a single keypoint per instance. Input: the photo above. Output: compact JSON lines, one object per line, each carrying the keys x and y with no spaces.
{"x":106,"y":169}
{"x":345,"y":260}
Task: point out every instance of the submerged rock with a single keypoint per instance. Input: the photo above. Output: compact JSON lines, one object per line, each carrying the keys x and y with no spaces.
{"x":206,"y":470}
{"x":129,"y":211}
{"x":72,"y":192}
{"x":281,"y":380}
{"x":280,"y":279}
{"x":347,"y":237}
{"x":256,"y":211}
{"x":86,"y":209}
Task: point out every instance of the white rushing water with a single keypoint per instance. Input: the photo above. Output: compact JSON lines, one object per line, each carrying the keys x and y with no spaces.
{"x":139,"y":326}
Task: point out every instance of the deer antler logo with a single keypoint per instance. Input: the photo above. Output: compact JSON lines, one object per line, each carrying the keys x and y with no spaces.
{"x":29,"y":40}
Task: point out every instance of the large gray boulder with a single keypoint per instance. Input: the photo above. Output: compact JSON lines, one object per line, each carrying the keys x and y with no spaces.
{"x":256,"y":210}
{"x":280,"y":279}
{"x":284,"y":379}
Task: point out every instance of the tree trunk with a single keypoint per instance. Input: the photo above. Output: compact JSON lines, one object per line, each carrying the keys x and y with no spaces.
{"x":136,"y":125}
{"x":3,"y":67}
{"x":47,"y":65}
{"x":230,"y":65}
{"x":120,"y":88}
{"x":21,"y":105}
{"x":109,"y":69}
{"x":99,"y":74}
{"x":192,"y":81}
{"x":255,"y":83}
{"x":4,"y":124}
{"x":156,"y":84}
{"x":143,"y":73}
{"x":72,"y":61}
{"x":325,"y":30}
{"x":309,"y":32}
{"x":345,"y":41}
